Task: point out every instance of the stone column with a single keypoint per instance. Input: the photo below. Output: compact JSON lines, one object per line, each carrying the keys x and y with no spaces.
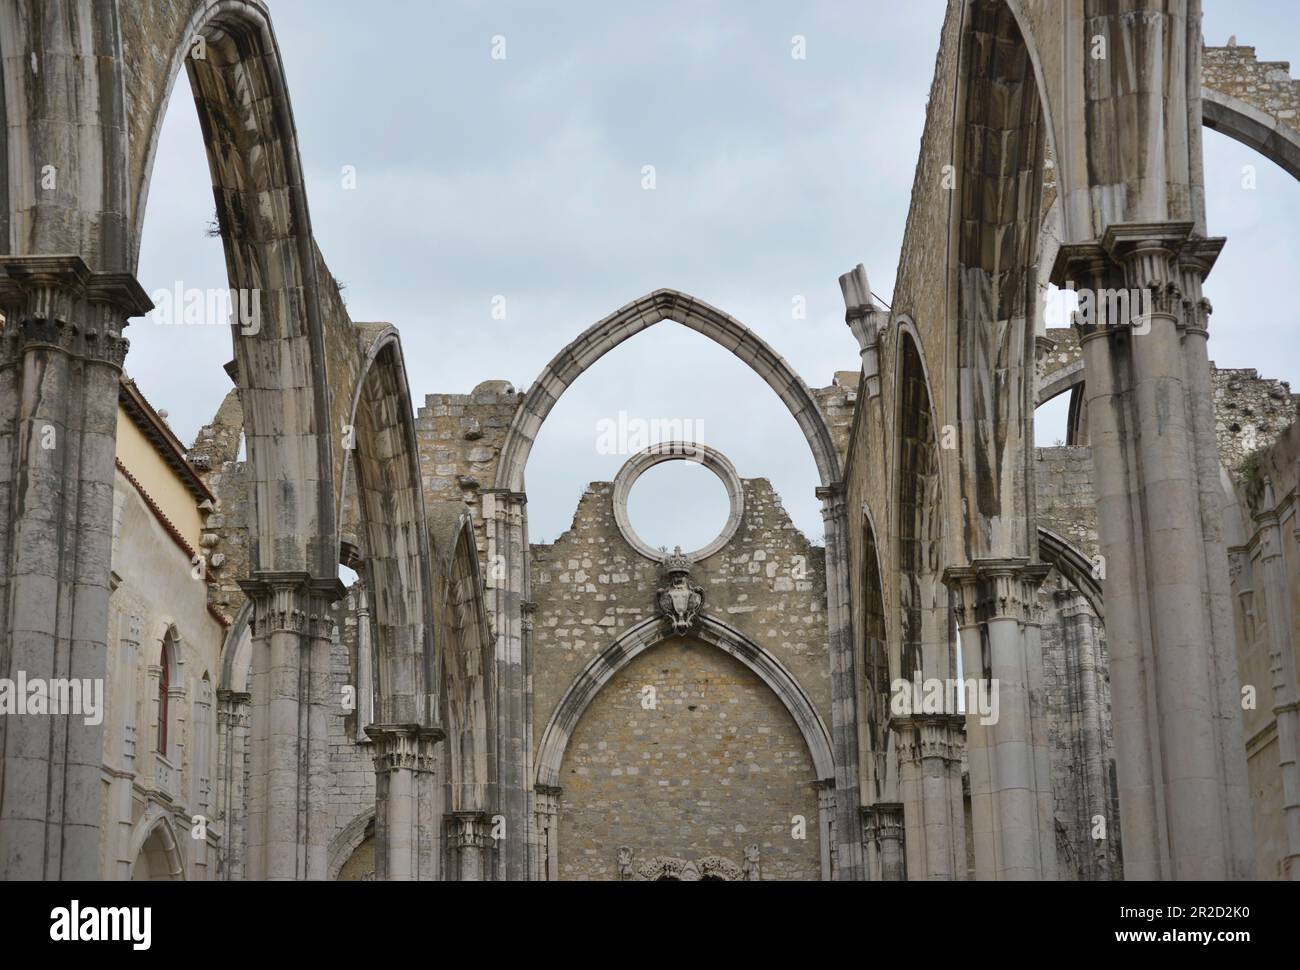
{"x":288,"y":816}
{"x":505,"y":513}
{"x":407,"y":802}
{"x":232,"y":798}
{"x":929,"y":753}
{"x":826,"y":825}
{"x":1177,"y":717}
{"x":1086,"y":672}
{"x":1009,"y":758}
{"x":844,"y":687}
{"x":547,"y":858}
{"x":61,"y":354}
{"x":469,"y":844}
{"x":365,"y":667}
{"x":883,"y":839}
{"x":1282,"y":665}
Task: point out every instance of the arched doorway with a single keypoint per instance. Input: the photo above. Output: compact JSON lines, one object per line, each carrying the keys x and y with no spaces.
{"x":158,"y":858}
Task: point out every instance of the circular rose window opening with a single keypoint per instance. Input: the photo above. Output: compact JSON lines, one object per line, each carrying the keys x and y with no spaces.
{"x":665,"y":498}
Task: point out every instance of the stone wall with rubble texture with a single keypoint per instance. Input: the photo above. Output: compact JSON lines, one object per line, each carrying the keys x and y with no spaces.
{"x":769,"y":582}
{"x":1266,"y":85}
{"x":459,"y":437}
{"x":719,"y":764}
{"x":1250,"y":413}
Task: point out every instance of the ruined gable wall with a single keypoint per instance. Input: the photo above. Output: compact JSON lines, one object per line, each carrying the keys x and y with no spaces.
{"x":769,"y":581}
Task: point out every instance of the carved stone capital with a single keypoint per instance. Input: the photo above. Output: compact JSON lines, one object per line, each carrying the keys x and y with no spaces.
{"x":404,"y":747}
{"x":923,"y":737}
{"x":883,"y":822}
{"x":469,"y":830}
{"x":292,"y":602}
{"x":994,"y":589}
{"x":58,"y":302}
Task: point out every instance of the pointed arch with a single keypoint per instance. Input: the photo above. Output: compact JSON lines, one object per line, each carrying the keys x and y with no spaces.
{"x":571,"y":362}
{"x":155,"y":851}
{"x":242,"y":98}
{"x":468,"y":685}
{"x":385,"y":475}
{"x":920,"y":553}
{"x":635,"y":641}
{"x":1000,"y":139}
{"x":1073,"y":564}
{"x":875,"y":653}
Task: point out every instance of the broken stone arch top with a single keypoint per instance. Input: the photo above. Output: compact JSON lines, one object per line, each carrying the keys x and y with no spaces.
{"x":712,"y":459}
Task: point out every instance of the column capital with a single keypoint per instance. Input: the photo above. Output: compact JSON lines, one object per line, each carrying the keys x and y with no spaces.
{"x":832,"y":497}
{"x":469,"y":830}
{"x":60,"y":303}
{"x":292,"y":602}
{"x":996,"y":588}
{"x":922,"y":737}
{"x":884,"y":820}
{"x":404,"y":746}
{"x":506,"y":496}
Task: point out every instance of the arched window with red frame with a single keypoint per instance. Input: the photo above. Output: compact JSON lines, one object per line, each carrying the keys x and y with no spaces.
{"x":164,"y":686}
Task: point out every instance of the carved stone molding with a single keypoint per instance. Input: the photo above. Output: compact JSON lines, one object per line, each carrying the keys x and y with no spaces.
{"x":712,"y":459}
{"x":679,"y":600}
{"x":668,"y":869}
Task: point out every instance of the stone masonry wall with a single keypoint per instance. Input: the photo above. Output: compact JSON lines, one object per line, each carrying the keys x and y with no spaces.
{"x":1266,"y":85}
{"x":1250,"y":413}
{"x":718,"y":765}
{"x":589,"y":586}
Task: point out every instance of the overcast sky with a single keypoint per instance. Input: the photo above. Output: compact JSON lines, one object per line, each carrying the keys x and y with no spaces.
{"x":522,"y":178}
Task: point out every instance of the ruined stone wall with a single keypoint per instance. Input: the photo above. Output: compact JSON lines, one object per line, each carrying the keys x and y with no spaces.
{"x":1268,"y":525}
{"x":838,"y":403}
{"x":459,"y":437}
{"x":1063,"y":483}
{"x":590,"y":585}
{"x":1266,"y":85}
{"x":352,"y":769}
{"x":214,"y":455}
{"x":717,"y":766}
{"x":1250,"y":413}
{"x":769,"y":582}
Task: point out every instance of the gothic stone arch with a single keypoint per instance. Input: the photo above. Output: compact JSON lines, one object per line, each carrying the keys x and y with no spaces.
{"x":505,"y":511}
{"x":383,"y":458}
{"x":637,"y":640}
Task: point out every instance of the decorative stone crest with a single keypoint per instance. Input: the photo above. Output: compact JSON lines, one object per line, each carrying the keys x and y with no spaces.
{"x":679,"y":600}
